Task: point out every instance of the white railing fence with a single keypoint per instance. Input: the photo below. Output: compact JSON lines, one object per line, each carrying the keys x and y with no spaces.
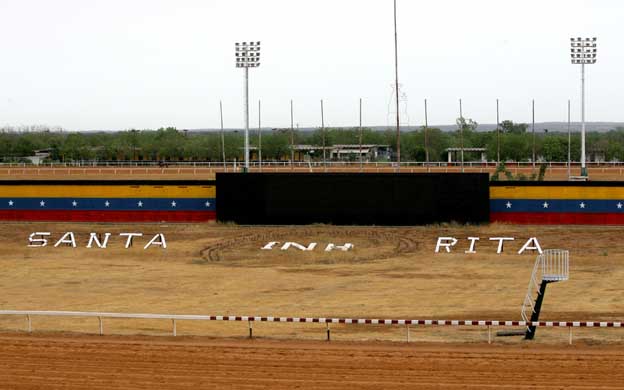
{"x":287,"y":163}
{"x":29,"y":314}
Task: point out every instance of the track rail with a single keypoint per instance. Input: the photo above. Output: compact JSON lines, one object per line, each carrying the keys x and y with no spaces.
{"x":363,"y":321}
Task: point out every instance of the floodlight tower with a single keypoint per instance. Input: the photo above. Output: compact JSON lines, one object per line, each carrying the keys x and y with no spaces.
{"x":247,"y":56}
{"x":583,"y":51}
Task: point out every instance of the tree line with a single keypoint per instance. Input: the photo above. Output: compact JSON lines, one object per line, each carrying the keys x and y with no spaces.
{"x":171,"y":144}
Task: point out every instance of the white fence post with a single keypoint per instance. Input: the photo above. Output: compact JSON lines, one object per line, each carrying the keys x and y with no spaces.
{"x":101,"y":326}
{"x":175,"y":330}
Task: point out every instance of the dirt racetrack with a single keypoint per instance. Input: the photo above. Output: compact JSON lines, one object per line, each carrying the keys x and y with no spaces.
{"x":92,"y":362}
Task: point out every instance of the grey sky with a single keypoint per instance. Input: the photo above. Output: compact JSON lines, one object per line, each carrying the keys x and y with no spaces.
{"x":90,"y":64}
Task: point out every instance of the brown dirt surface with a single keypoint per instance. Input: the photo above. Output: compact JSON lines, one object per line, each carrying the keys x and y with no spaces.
{"x":92,"y":362}
{"x":186,"y":172}
{"x":392,"y":272}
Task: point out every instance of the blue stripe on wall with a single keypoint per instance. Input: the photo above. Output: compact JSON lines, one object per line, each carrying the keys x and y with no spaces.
{"x":557,"y":205}
{"x":102,"y":204}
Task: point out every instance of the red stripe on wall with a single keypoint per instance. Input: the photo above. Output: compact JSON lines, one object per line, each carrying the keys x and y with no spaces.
{"x":559,"y":218}
{"x":107,"y":216}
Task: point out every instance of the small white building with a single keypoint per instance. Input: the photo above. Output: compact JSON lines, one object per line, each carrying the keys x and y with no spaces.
{"x":39,"y":156}
{"x":457,"y":153}
{"x":354,"y":151}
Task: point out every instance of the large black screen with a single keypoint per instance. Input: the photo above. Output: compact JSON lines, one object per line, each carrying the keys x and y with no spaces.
{"x":352,"y":199}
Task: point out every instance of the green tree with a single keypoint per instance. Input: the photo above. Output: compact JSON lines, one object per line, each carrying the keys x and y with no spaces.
{"x":554,"y":148}
{"x":508,"y":126}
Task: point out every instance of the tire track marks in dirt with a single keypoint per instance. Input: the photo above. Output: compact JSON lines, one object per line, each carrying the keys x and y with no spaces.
{"x":401,"y":242}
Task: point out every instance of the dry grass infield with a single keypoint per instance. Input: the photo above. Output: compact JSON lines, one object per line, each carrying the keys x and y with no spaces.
{"x":391,"y":273}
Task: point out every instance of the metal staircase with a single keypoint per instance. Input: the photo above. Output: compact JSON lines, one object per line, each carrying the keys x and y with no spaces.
{"x":550,"y":266}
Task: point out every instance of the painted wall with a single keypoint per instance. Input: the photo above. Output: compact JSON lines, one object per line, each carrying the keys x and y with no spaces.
{"x":583,"y":203}
{"x":591,"y":203}
{"x":108,"y":201}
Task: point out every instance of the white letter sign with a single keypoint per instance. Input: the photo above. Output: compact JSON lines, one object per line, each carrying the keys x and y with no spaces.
{"x":270,"y":245}
{"x":94,"y":238}
{"x":65,"y":240}
{"x":298,"y":246}
{"x":446,"y":245}
{"x":536,"y":246}
{"x":330,"y":247}
{"x":473,"y":241}
{"x":500,"y":242}
{"x":38,"y":242}
{"x":161,"y":242}
{"x":130,"y":237}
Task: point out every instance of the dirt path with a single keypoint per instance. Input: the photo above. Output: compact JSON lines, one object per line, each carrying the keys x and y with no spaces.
{"x":80,"y":362}
{"x":205,"y":173}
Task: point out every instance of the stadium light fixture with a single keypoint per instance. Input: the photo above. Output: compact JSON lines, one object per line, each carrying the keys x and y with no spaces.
{"x":582,"y":52}
{"x":247,"y":56}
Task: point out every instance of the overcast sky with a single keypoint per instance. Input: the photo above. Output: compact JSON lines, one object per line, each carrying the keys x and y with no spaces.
{"x":113,"y":64}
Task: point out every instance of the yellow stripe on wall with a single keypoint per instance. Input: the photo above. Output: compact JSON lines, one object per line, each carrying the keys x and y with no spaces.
{"x":106,"y":191}
{"x":556,"y":192}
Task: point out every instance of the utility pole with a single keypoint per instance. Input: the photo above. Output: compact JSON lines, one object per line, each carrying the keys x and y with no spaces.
{"x":533,"y":129}
{"x":292,"y":138}
{"x":323,"y":135}
{"x":259,"y":137}
{"x":461,"y":134}
{"x":497,"y":135}
{"x":569,"y":143}
{"x":396,"y":88}
{"x":427,"y":139}
{"x":361,"y":163}
{"x":222,"y":135}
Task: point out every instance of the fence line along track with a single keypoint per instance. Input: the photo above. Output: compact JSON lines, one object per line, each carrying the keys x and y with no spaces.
{"x":323,"y":320}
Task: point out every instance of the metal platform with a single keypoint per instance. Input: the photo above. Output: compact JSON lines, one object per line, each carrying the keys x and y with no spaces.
{"x":553,"y":265}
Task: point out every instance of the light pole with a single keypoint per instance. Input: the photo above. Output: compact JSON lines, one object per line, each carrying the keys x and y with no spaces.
{"x":247,"y":56}
{"x":583,"y":51}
